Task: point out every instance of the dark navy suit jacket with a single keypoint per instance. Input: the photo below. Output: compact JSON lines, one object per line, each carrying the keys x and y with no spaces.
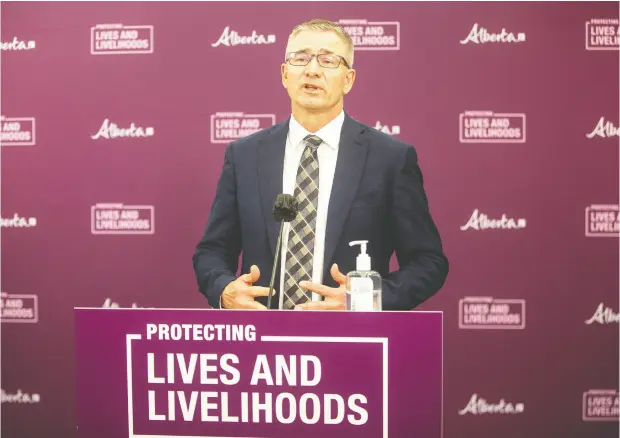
{"x":377,"y":195}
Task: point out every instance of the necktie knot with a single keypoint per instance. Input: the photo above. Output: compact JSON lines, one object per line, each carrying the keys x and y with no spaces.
{"x":312,"y":141}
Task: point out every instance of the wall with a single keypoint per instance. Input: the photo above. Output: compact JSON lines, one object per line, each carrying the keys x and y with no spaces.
{"x":551,"y":267}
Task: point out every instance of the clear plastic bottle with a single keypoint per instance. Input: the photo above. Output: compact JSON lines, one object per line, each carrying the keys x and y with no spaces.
{"x":363,"y":285}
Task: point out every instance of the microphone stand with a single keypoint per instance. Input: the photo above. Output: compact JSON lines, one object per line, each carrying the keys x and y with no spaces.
{"x":275,"y":264}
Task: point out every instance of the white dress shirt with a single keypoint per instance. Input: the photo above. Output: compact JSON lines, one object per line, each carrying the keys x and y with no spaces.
{"x":328,"y":154}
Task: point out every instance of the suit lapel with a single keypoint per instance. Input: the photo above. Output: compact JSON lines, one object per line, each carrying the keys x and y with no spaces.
{"x":270,"y":170}
{"x":352,"y":151}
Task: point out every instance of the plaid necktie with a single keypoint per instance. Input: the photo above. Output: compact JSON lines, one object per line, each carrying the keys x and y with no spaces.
{"x":300,"y":248}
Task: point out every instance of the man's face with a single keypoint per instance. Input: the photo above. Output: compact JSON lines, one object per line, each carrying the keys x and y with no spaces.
{"x":314,"y":87}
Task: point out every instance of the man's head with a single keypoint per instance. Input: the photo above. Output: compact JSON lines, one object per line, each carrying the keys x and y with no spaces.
{"x":318,"y":83}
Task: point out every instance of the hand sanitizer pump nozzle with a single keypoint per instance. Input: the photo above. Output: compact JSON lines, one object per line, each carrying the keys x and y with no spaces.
{"x":363,"y":285}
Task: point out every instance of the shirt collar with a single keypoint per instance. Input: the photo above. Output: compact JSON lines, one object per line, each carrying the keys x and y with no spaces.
{"x":330,"y":133}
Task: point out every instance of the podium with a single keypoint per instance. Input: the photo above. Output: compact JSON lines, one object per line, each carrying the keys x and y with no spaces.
{"x":192,"y":373}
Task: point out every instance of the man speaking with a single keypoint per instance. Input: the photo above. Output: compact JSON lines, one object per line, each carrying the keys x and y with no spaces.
{"x":351,"y":181}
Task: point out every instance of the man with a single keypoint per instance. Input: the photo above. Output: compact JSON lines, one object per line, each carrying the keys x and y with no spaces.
{"x":352,"y":182}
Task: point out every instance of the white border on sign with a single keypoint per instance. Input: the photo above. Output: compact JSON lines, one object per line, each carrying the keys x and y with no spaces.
{"x":130,"y":338}
{"x":613,"y":207}
{"x":588,"y":47}
{"x":492,"y":326}
{"x":382,"y":23}
{"x":214,"y":141}
{"x":597,"y":392}
{"x":122,"y":206}
{"x":36,"y":308}
{"x":383,"y":341}
{"x":492,"y":140}
{"x":123,"y":52}
{"x":33,"y":142}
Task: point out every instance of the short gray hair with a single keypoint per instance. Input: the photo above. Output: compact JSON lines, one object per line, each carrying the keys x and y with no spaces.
{"x":327,"y":26}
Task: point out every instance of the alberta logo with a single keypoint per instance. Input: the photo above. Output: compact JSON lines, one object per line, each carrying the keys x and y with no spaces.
{"x":478,"y":406}
{"x":480,"y":35}
{"x":480,"y":222}
{"x":233,"y":38}
{"x":110,"y":130}
{"x":19,"y":397}
{"x":18,"y":222}
{"x":387,"y":129}
{"x":17,"y":45}
{"x":604,"y":129}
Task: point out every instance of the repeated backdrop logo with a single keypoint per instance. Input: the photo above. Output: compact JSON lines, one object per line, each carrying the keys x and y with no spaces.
{"x":490,"y":127}
{"x":387,"y":129}
{"x":20,"y":397}
{"x":17,"y":44}
{"x":602,"y":34}
{"x":601,"y":405}
{"x":603,"y":315}
{"x":477,"y":126}
{"x":373,"y":35}
{"x":231,"y":38}
{"x":479,"y":406}
{"x":480,"y":35}
{"x":110,"y":130}
{"x":120,"y":39}
{"x":118,"y":218}
{"x":18,"y":221}
{"x":602,"y":220}
{"x":479,"y":221}
{"x":491,"y":313}
{"x":109,"y":304}
{"x":110,"y":218}
{"x":228,"y":126}
{"x":17,"y":131}
{"x":488,"y":313}
{"x":604,"y":129}
{"x":19,"y":308}
{"x":231,"y":126}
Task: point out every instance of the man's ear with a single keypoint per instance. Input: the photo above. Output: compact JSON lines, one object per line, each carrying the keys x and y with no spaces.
{"x":284,"y":73}
{"x":349,"y":80}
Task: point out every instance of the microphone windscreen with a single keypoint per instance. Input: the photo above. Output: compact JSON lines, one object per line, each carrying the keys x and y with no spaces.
{"x":285,"y":208}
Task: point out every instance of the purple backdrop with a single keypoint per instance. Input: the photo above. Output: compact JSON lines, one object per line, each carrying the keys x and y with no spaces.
{"x":114,"y":122}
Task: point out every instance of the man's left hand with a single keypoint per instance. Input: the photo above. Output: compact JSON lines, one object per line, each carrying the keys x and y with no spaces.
{"x":333,"y":296}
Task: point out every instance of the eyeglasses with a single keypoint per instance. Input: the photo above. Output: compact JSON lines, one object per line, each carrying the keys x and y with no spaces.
{"x":326,"y":60}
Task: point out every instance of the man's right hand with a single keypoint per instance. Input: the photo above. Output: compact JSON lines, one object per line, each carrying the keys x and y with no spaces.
{"x":240,"y":294}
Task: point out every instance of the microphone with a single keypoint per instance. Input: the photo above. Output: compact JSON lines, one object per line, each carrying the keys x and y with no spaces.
{"x":285,"y":209}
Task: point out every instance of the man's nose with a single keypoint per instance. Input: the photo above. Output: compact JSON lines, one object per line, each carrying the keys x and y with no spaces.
{"x":313,"y":68}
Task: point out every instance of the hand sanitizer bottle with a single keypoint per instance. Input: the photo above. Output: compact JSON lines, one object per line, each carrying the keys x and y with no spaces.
{"x":363,"y":285}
